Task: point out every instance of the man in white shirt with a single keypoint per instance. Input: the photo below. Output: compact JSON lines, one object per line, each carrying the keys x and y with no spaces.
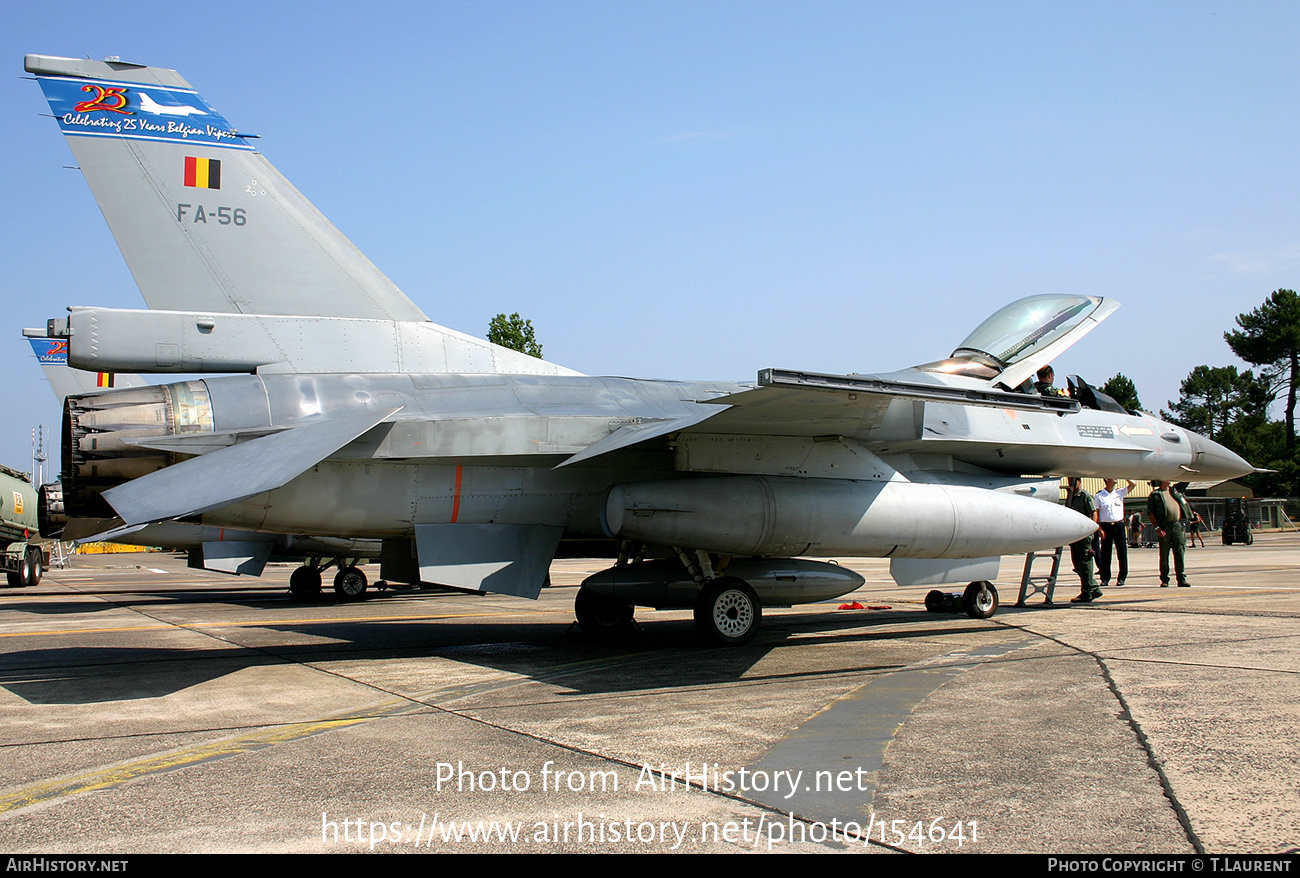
{"x":1110,"y":513}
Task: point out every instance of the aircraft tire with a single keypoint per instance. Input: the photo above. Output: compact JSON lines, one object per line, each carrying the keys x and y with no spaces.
{"x":934,"y":601}
{"x":602,"y":616}
{"x":980,"y":600}
{"x":727,"y":612}
{"x":304,"y":583}
{"x":350,"y":583}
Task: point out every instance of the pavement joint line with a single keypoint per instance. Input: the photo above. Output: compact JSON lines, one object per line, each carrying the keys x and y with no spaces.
{"x":1121,"y":658}
{"x":1144,"y":742}
{"x":1184,"y":820}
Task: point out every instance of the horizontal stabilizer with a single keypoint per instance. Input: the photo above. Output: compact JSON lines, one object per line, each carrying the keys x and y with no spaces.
{"x":502,"y":558}
{"x":197,"y":443}
{"x":236,"y":473}
{"x":96,"y":530}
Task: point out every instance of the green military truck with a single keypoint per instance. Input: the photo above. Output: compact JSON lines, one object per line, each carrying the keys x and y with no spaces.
{"x":22,"y":562}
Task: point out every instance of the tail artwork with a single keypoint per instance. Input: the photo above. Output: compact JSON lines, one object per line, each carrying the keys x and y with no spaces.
{"x":209,"y":227}
{"x":52,"y":354}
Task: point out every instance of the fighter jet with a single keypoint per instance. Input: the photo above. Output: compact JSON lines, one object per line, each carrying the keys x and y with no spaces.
{"x":337,"y":408}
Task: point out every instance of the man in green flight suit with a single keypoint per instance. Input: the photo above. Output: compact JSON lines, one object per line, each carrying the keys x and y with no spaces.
{"x":1168,"y":510}
{"x":1081,"y":551}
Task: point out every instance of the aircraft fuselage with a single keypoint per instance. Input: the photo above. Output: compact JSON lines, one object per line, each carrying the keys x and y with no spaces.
{"x":488,"y":448}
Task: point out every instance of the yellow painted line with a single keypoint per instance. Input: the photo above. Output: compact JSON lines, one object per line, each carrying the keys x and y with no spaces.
{"x":271,"y":623}
{"x":111,"y":776}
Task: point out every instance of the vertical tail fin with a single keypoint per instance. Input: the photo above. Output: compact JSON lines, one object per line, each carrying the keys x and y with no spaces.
{"x":204,"y":221}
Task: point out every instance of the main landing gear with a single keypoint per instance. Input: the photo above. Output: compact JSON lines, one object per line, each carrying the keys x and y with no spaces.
{"x":601,"y":616}
{"x":727,"y":611}
{"x":350,"y":582}
{"x":716,"y":588}
{"x":979,"y":601}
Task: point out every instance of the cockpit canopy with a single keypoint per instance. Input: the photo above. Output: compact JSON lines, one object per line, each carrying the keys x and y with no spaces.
{"x":1024,"y":327}
{"x":1012,"y":344}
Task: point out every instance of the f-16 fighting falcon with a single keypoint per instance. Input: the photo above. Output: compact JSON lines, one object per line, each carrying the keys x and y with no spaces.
{"x":335,"y":408}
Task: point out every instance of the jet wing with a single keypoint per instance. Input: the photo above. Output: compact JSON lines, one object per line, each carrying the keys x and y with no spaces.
{"x":793,"y":403}
{"x":237,"y":472}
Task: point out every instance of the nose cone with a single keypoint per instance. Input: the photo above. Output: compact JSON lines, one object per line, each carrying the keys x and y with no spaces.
{"x":1210,"y":460}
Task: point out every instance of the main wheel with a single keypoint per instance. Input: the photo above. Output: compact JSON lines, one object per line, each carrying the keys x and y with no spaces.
{"x":934,"y":601}
{"x":727,"y":612}
{"x":600,"y":615}
{"x":304,"y":583}
{"x":350,"y":582}
{"x":35,"y":565}
{"x":980,"y":600}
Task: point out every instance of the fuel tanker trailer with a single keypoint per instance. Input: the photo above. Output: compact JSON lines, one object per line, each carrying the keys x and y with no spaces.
{"x":21,"y":561}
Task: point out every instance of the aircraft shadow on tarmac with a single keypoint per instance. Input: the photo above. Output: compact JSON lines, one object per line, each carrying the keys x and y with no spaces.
{"x":661,"y":654}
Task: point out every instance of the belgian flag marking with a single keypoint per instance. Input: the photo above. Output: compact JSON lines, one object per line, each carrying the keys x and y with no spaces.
{"x":202,"y":173}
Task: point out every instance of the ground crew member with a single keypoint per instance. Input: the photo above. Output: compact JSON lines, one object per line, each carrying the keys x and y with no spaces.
{"x":1168,"y":511}
{"x":1081,"y":551}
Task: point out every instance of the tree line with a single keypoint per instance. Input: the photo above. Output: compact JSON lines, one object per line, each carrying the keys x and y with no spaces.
{"x":1231,"y":406}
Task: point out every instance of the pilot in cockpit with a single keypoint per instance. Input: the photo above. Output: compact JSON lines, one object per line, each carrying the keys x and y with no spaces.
{"x":1045,"y":385}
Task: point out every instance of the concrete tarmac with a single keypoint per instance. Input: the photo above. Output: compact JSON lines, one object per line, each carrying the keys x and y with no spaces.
{"x":151,"y":708}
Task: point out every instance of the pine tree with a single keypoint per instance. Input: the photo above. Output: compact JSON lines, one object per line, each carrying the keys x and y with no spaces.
{"x":1122,"y":389}
{"x":1270,"y":338}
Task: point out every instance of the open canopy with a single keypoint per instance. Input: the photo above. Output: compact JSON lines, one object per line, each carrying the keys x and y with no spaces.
{"x":1018,"y":339}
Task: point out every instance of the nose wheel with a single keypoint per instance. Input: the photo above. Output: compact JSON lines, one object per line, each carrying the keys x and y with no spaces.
{"x":979,"y":601}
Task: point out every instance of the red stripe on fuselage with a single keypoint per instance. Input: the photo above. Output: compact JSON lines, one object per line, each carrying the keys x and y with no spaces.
{"x":455,"y":503}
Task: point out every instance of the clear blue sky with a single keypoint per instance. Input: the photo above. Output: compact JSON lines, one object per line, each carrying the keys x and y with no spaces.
{"x":703,"y":189}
